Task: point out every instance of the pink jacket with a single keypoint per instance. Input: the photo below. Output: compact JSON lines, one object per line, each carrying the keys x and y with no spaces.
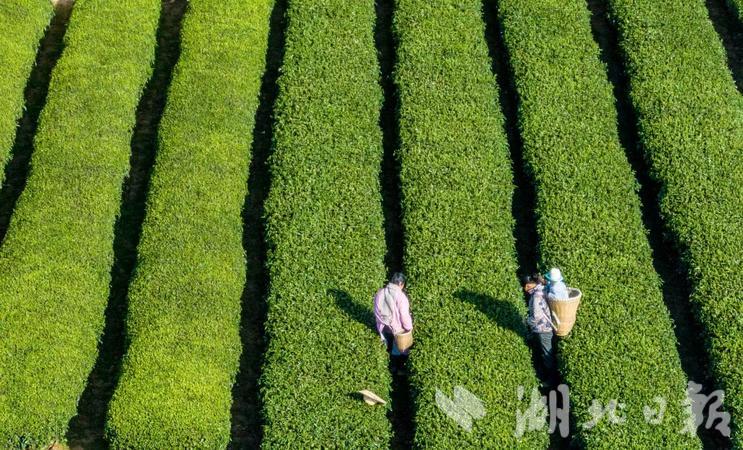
{"x":400,"y":318}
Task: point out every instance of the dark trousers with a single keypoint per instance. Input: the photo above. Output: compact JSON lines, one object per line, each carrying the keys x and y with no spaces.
{"x":397,"y":360}
{"x":389,"y":338}
{"x":547,"y":356}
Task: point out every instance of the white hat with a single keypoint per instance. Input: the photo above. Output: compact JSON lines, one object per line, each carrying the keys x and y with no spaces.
{"x":555,"y":275}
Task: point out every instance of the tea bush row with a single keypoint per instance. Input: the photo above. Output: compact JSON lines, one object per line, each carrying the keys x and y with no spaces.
{"x":325,"y":235}
{"x":691,"y":128}
{"x":590,"y":224}
{"x":23,"y":23}
{"x":183,"y":324}
{"x":56,"y":260}
{"x":457,"y":188}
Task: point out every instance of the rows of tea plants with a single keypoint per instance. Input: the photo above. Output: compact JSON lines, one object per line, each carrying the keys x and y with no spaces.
{"x":184,"y":302}
{"x":590,"y":224}
{"x":23,"y":23}
{"x":691,"y":128}
{"x":324,"y":220}
{"x":459,"y":248}
{"x":56,"y":259}
{"x":325,"y":235}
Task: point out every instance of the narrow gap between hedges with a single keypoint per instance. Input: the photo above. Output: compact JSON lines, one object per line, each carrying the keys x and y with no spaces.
{"x":524,"y":197}
{"x":388,"y":121}
{"x":666,"y":258}
{"x":246,"y":401}
{"x":402,"y":412}
{"x":37,"y":87}
{"x":86,"y":429}
{"x":730,"y":30}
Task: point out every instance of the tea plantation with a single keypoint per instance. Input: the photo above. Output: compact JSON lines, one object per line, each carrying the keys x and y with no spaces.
{"x":200,"y":198}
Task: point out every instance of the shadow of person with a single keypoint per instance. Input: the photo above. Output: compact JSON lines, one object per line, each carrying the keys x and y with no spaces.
{"x":502,"y":312}
{"x":506,"y":315}
{"x":358,"y":312}
{"x":365,"y":316}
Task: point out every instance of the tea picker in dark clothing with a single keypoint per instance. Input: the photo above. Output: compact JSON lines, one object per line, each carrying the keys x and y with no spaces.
{"x":540,"y":324}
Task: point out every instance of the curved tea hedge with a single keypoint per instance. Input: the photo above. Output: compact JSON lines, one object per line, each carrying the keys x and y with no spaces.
{"x":55,"y":262}
{"x":590,"y":224}
{"x":22,"y":23}
{"x":691,"y":126}
{"x":457,"y":188}
{"x":184,"y":305}
{"x":325,"y":236}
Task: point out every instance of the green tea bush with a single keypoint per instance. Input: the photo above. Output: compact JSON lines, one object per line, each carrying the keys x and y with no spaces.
{"x":457,"y":187}
{"x":55,"y":262}
{"x":691,"y":127}
{"x":184,"y":302}
{"x":590,"y":224}
{"x":325,"y":236}
{"x":23,"y":23}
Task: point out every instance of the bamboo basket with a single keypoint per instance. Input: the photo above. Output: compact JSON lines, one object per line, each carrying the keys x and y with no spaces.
{"x":404,"y":341}
{"x":565,"y":311}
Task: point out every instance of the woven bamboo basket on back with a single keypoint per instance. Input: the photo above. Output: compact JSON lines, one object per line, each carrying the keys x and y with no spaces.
{"x":566,"y":310}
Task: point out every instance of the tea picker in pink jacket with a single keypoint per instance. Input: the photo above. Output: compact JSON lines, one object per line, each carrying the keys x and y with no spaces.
{"x":392,"y":311}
